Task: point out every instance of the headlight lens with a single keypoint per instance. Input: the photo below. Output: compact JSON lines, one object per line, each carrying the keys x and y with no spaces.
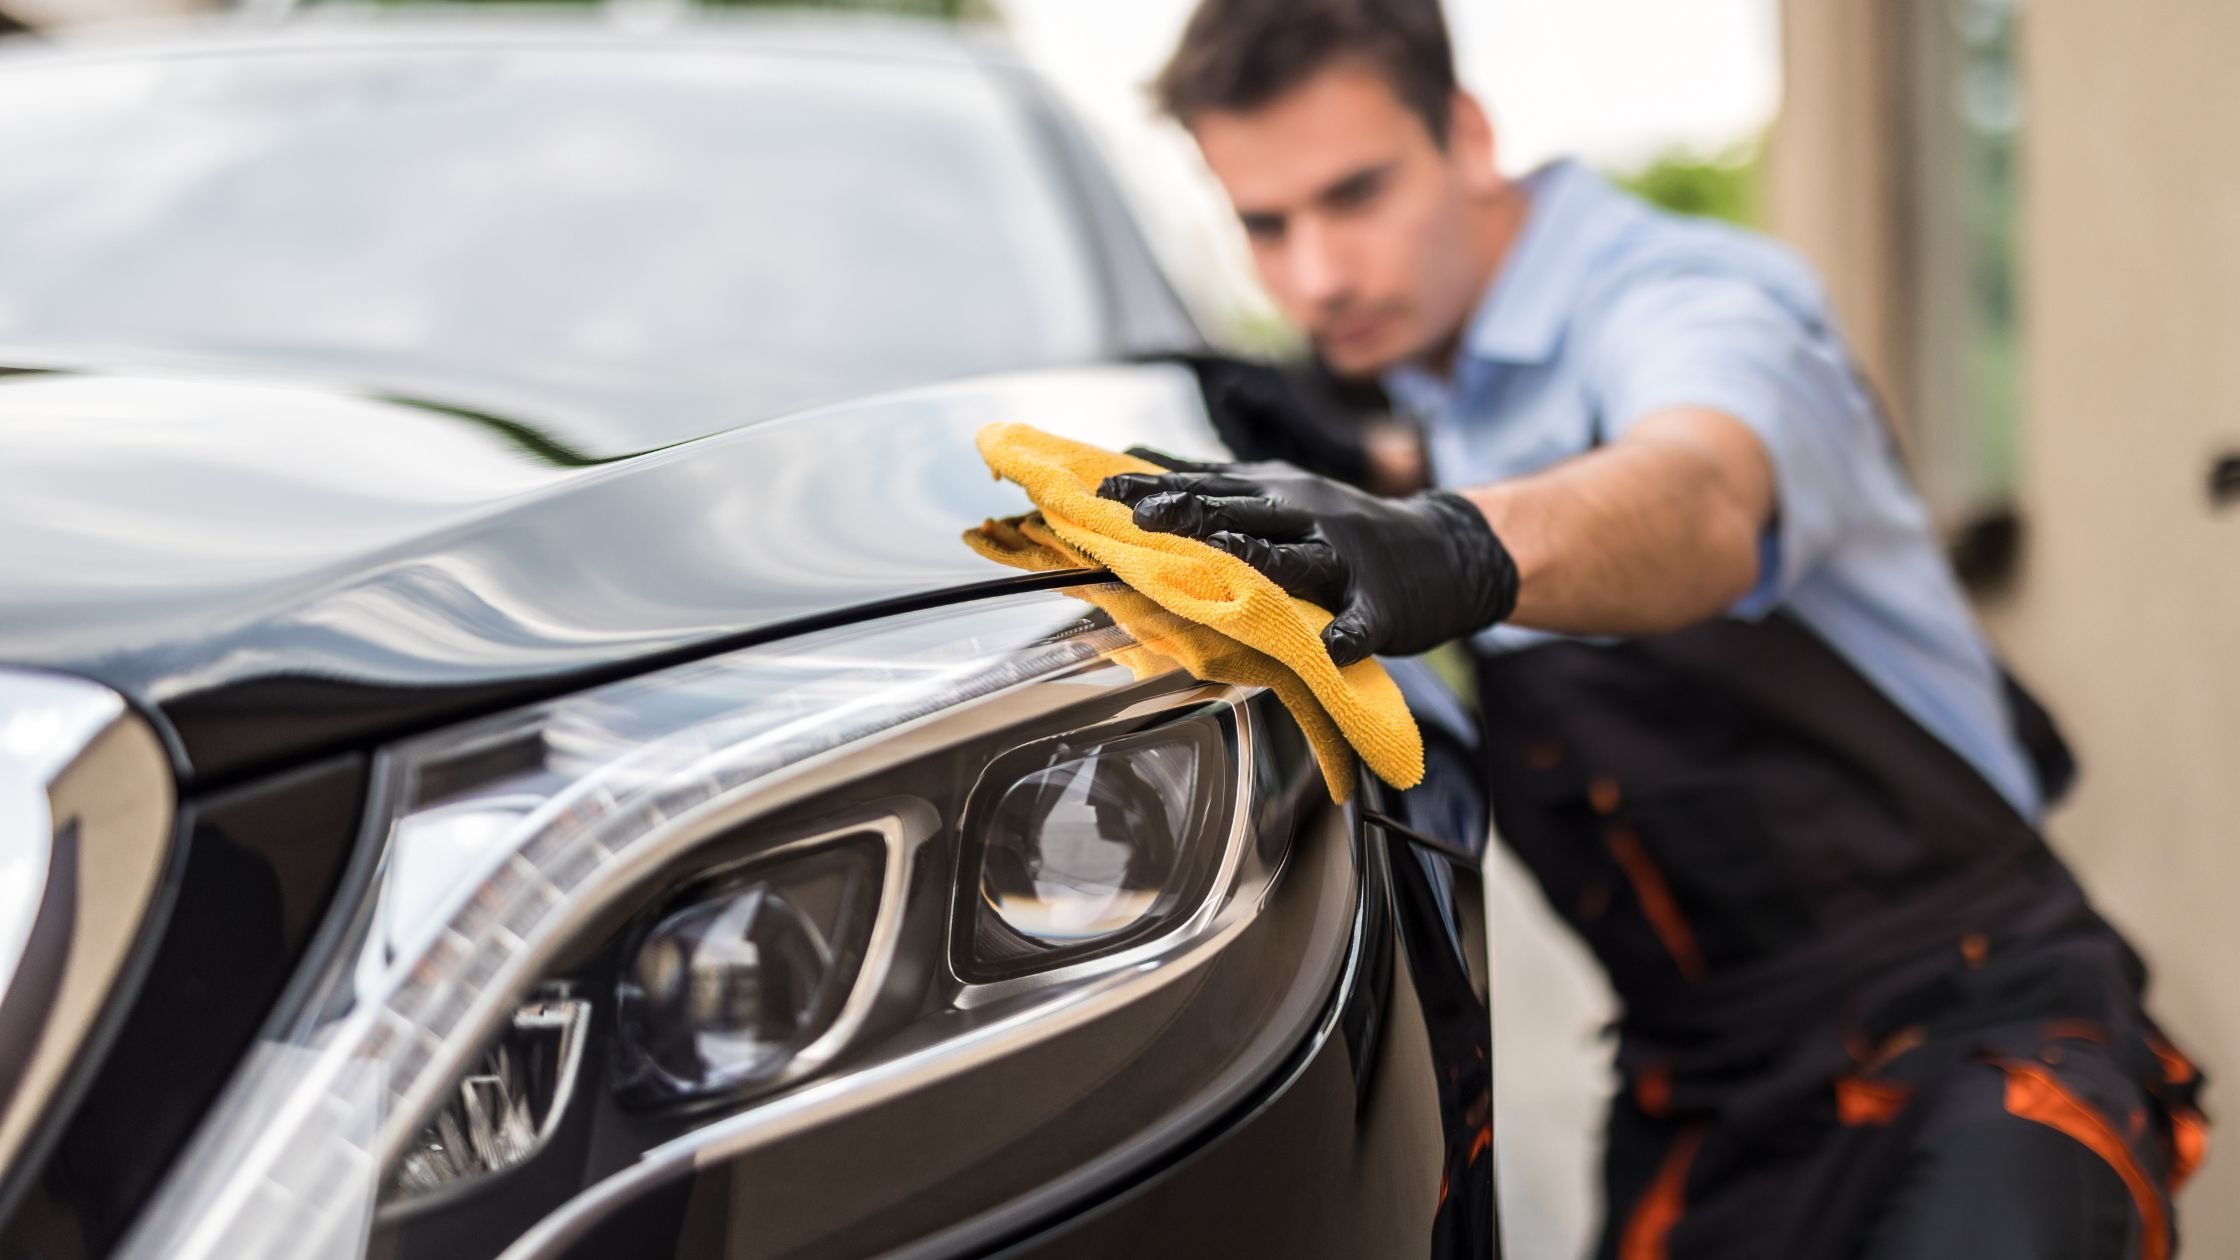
{"x":727,"y":990}
{"x":772,"y":846}
{"x":1080,"y":854}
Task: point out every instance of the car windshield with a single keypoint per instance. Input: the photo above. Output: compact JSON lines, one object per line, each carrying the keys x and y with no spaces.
{"x":621,"y":247}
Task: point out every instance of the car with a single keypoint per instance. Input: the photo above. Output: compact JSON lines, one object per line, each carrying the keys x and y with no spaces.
{"x":504,"y":751}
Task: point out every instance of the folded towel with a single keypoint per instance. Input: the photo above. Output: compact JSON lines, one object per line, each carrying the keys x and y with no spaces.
{"x":1235,"y":625}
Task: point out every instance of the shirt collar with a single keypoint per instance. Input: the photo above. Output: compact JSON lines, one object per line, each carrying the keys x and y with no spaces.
{"x":1522,"y":315}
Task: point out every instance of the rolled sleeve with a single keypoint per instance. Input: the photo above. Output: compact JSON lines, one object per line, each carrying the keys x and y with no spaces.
{"x":1729,"y":346}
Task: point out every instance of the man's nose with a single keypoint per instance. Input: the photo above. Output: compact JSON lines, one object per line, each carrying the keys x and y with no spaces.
{"x":1318,"y":272}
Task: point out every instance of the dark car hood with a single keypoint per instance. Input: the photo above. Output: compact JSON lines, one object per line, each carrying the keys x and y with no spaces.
{"x":275,"y":570}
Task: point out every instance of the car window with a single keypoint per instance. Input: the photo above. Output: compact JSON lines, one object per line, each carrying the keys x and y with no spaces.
{"x":628,"y":246}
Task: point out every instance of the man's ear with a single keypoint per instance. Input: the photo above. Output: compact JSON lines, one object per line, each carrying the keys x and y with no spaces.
{"x":1471,"y":144}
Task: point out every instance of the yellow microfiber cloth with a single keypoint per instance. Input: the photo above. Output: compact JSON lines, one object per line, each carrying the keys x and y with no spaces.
{"x":1236,"y":626}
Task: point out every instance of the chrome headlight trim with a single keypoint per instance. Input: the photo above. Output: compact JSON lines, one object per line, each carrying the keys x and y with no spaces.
{"x":87,"y":802}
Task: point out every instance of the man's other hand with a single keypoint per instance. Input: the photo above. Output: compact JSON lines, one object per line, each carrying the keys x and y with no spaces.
{"x":1262,"y":413}
{"x":1399,"y":576}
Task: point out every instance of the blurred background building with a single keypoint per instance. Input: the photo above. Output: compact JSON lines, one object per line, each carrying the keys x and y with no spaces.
{"x":2030,"y":223}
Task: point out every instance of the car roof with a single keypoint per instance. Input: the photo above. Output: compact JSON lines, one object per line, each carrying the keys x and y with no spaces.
{"x":1150,"y":319}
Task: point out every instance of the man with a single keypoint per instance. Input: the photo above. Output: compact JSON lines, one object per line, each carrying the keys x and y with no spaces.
{"x":1741,"y":725}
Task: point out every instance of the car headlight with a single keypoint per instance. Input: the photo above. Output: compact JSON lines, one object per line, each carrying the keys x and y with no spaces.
{"x":648,"y":908}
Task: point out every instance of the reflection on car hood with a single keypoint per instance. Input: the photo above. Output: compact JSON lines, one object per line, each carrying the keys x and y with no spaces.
{"x":278,"y":570}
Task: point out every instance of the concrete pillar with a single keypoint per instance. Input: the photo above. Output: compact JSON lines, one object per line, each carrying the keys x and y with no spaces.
{"x":1832,"y":171}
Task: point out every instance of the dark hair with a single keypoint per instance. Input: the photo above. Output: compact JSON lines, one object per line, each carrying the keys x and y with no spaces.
{"x":1241,"y":54}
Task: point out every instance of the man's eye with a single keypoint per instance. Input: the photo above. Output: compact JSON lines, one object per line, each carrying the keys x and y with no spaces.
{"x":1263,"y":227}
{"x":1354,"y":193}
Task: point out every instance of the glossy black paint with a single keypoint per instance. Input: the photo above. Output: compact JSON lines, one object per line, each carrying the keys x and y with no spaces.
{"x":260,"y":868}
{"x":279,"y":571}
{"x":1440,"y":916}
{"x":1434,"y":837}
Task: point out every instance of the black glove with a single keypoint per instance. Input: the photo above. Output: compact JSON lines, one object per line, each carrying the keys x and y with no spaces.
{"x":1400,"y":575}
{"x":1263,"y":413}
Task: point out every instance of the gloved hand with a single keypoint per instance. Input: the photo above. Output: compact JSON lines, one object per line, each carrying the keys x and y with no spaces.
{"x":1262,"y":413}
{"x":1399,"y":576}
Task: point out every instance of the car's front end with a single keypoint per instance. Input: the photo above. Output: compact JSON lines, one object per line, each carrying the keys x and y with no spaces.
{"x":449,"y":817}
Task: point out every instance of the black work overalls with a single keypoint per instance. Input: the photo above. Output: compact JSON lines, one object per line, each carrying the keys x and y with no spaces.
{"x":1866,"y":1010}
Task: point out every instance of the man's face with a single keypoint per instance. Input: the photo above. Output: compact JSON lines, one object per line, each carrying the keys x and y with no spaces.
{"x":1360,"y":223}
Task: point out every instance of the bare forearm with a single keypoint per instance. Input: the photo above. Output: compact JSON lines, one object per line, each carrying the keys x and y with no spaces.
{"x":1645,"y":536}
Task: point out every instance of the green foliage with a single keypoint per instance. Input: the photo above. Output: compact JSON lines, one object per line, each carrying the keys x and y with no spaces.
{"x":959,"y":9}
{"x":1728,"y":185}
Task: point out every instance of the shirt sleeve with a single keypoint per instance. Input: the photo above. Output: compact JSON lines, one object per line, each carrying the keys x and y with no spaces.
{"x":1727,"y":345}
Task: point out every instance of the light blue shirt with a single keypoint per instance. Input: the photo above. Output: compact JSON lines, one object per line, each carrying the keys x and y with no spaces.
{"x":1607,"y":310}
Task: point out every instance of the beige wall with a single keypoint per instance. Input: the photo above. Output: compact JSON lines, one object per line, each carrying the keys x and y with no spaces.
{"x":2126,"y":614}
{"x":1831,"y":167}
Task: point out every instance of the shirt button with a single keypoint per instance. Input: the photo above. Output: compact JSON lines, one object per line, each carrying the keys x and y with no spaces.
{"x":1602,"y":795}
